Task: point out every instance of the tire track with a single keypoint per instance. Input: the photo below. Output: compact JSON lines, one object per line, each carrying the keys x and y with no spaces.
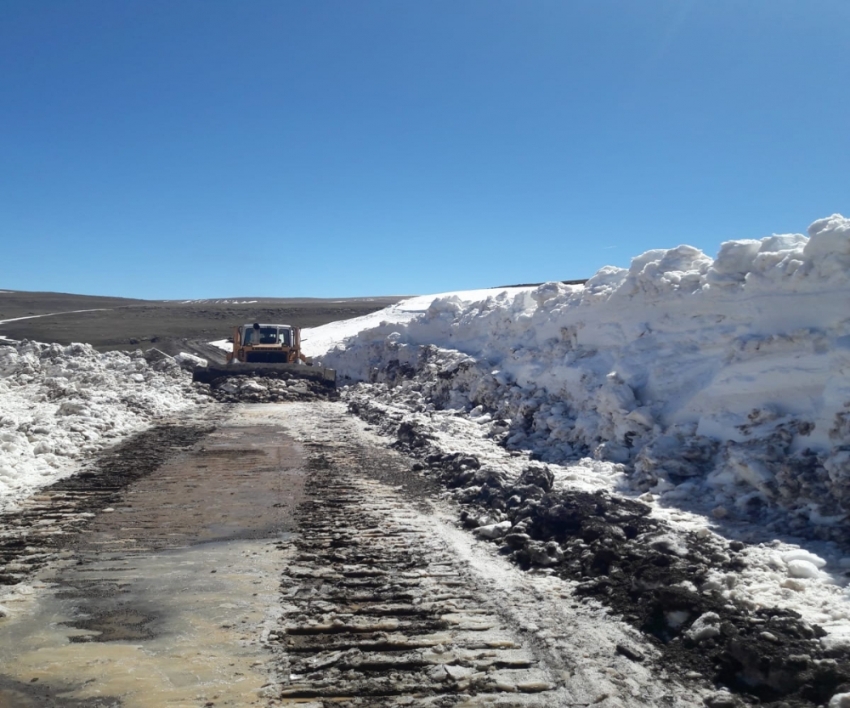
{"x":45,"y":525}
{"x":379,"y":613}
{"x":385,"y":601}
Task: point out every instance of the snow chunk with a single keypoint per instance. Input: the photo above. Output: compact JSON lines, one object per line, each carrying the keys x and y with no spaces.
{"x":829,"y":240}
{"x":840,"y":700}
{"x":804,"y":555}
{"x":803,"y":569}
{"x":493,"y":530}
{"x":704,"y":627}
{"x":733,"y":262}
{"x":190,"y":361}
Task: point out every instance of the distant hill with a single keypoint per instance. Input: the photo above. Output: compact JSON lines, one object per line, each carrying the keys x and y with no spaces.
{"x":121,"y":323}
{"x":20,"y":303}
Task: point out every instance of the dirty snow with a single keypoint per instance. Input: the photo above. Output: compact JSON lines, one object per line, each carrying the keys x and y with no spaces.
{"x":725,"y":380}
{"x":771,"y":574}
{"x":61,"y":403}
{"x":717,"y":389}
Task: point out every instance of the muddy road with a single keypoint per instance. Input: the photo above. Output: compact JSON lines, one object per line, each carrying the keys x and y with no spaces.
{"x":284,"y":555}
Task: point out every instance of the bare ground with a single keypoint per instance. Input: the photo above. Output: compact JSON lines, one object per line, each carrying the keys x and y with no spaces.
{"x":116,"y":323}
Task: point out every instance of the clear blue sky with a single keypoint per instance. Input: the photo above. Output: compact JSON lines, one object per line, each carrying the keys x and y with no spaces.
{"x":177,"y":148}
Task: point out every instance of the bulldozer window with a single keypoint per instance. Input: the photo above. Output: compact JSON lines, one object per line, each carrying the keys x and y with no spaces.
{"x":285,"y":338}
{"x":268,"y":335}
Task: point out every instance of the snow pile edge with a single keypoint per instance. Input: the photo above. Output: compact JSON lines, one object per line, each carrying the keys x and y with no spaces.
{"x":61,"y":403}
{"x":722,"y":380}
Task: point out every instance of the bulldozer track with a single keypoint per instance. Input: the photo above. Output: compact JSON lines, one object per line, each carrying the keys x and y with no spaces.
{"x":386,"y":601}
{"x":378,"y":613}
{"x":287,"y":557}
{"x":45,"y":524}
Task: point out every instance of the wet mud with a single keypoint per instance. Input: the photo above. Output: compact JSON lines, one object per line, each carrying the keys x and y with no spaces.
{"x":158,"y":588}
{"x":120,"y":625}
{"x":48,"y":523}
{"x":32,"y":694}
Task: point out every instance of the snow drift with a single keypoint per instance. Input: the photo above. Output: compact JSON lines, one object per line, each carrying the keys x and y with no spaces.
{"x":725,"y":380}
{"x":58,"y":404}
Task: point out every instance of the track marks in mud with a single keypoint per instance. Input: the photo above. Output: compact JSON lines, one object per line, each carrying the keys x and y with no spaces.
{"x":163,"y":596}
{"x":47,"y":522}
{"x":378,"y":613}
{"x":666,"y":583}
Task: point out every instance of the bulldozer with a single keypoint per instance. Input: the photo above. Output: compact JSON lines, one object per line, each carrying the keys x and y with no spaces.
{"x":269,"y":350}
{"x":265,"y":343}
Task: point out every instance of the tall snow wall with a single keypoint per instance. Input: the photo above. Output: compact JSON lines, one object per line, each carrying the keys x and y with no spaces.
{"x":728,"y":375}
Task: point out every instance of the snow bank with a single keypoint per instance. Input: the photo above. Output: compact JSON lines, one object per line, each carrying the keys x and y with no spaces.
{"x":726,"y":379}
{"x":59,"y":403}
{"x":317,"y":341}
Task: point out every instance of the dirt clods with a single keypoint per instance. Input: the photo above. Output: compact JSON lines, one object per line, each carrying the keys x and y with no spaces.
{"x":282,"y":388}
{"x":667,"y":585}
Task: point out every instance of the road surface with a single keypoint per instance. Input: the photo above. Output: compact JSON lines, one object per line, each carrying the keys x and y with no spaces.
{"x":283,"y":556}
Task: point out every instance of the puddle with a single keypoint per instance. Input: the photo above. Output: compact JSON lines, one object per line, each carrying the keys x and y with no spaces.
{"x":166,"y":597}
{"x":172,"y":634}
{"x":121,"y":625}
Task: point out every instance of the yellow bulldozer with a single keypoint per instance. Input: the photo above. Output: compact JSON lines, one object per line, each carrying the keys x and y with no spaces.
{"x":267,"y":343}
{"x":269,"y":350}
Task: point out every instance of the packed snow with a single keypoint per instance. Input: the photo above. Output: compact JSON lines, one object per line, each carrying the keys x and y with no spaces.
{"x":59,"y":404}
{"x":715,"y":390}
{"x":725,"y":380}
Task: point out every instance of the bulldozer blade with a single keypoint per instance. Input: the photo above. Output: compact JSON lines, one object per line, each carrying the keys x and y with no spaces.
{"x":319,"y":374}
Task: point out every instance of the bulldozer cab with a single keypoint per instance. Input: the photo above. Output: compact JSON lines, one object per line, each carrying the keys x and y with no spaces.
{"x":267,"y":334}
{"x":269,"y":343}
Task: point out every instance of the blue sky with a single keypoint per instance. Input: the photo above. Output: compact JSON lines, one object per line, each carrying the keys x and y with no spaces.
{"x":176,"y":149}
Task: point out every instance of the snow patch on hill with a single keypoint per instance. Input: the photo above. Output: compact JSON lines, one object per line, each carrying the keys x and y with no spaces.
{"x":317,"y":341}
